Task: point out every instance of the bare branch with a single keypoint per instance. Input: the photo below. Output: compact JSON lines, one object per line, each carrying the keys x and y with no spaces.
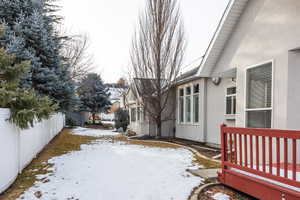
{"x":156,"y":56}
{"x":75,"y":52}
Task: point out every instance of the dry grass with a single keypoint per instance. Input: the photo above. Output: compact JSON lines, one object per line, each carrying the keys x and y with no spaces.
{"x":146,"y":143}
{"x":62,"y":144}
{"x":207,"y":163}
{"x":201,"y":161}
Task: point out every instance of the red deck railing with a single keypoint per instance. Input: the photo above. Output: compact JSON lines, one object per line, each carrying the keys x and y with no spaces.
{"x":267,"y":158}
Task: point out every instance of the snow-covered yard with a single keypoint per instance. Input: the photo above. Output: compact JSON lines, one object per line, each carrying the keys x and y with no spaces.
{"x":107,"y":170}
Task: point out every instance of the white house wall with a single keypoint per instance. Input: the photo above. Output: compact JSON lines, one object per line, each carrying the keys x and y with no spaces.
{"x":267,"y":30}
{"x":216,"y":109}
{"x":293,"y":96}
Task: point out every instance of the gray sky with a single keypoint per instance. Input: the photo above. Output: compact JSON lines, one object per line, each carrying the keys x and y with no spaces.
{"x":110,"y":24}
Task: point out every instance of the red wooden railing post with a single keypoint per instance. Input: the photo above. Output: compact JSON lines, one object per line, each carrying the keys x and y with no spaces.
{"x":294,"y":158}
{"x":270,"y":155}
{"x":223,"y":149}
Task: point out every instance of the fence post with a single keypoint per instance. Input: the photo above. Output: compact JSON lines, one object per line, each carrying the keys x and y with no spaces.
{"x":223,"y":150}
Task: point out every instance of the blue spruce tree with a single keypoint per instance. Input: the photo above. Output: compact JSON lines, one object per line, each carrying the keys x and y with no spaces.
{"x":30,"y":35}
{"x":93,"y":94}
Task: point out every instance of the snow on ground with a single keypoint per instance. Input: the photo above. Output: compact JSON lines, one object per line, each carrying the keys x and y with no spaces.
{"x":93,"y":132}
{"x":220,"y":196}
{"x":108,"y":122}
{"x":118,"y":171}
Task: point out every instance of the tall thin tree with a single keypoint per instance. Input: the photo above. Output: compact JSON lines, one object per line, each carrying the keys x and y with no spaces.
{"x":156,"y":56}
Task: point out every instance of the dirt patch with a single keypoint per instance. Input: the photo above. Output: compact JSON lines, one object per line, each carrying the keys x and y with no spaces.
{"x":208,"y":193}
{"x":103,"y":126}
{"x":61,"y":144}
{"x":208,"y":164}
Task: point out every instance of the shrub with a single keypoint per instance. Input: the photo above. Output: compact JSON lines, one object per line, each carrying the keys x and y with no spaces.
{"x":71,"y":122}
{"x":122,"y":119}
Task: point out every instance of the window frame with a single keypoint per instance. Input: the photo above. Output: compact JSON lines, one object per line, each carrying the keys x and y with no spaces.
{"x":193,"y":103}
{"x":184,"y":87}
{"x":133,"y":110}
{"x":246,"y":93}
{"x":231,"y":95}
{"x":179,"y":106}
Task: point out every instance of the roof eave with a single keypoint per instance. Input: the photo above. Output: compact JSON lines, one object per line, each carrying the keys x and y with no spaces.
{"x":222,"y":34}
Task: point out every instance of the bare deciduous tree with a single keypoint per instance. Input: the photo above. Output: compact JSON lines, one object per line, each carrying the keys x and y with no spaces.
{"x":75,"y":52}
{"x":156,"y":56}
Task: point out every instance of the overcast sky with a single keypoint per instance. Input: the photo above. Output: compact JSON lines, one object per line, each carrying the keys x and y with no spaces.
{"x":110,"y":24}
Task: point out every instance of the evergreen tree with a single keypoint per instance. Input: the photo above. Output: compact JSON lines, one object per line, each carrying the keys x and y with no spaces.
{"x":30,"y":35}
{"x":122,"y":119}
{"x":94,"y":95}
{"x":24,"y":104}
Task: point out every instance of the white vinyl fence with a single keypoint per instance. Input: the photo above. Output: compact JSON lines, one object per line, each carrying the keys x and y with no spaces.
{"x":19,"y":147}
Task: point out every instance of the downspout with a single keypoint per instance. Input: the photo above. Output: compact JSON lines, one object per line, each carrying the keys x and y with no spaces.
{"x":204,"y":129}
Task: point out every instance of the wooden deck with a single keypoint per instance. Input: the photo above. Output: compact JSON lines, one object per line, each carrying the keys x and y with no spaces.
{"x":264,"y":163}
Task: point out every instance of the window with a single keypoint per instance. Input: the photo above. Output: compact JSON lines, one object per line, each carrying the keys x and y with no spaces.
{"x":138,"y":113}
{"x":181,"y":105}
{"x":259,"y":97}
{"x":231,"y":101}
{"x":133,"y":114}
{"x":196,"y":103}
{"x":188,"y":104}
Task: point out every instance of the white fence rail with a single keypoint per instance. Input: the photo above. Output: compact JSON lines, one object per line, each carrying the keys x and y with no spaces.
{"x":19,"y":147}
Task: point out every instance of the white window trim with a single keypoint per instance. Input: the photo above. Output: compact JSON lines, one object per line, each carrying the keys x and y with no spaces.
{"x":136,"y":120}
{"x":199,"y":105}
{"x":191,"y":85}
{"x":246,"y":92}
{"x":191,"y":105}
{"x":230,"y":95}
{"x":178,"y":106}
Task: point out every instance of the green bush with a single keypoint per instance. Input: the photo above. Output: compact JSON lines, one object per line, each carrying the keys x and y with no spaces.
{"x":71,"y":122}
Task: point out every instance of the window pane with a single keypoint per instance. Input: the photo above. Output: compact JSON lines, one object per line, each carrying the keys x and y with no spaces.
{"x":196,"y":108}
{"x":196,"y":88}
{"x":234,"y":104}
{"x":188,"y":109}
{"x":188,"y":91}
{"x":259,"y":86}
{"x":231,"y":90}
{"x":181,"y":110}
{"x":133,"y":114}
{"x":259,"y":119}
{"x":138,"y":114}
{"x":181,"y":92}
{"x":228,"y":105}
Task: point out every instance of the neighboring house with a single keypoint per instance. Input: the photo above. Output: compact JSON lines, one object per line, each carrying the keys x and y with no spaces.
{"x":249,"y":76}
{"x":116,"y":95}
{"x":140,"y":121}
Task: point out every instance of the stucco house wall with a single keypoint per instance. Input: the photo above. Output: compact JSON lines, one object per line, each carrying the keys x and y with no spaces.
{"x":267,"y":31}
{"x":216,"y":109}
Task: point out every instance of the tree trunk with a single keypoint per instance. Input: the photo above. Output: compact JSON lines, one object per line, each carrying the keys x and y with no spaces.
{"x":158,"y":129}
{"x":94,"y":120}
